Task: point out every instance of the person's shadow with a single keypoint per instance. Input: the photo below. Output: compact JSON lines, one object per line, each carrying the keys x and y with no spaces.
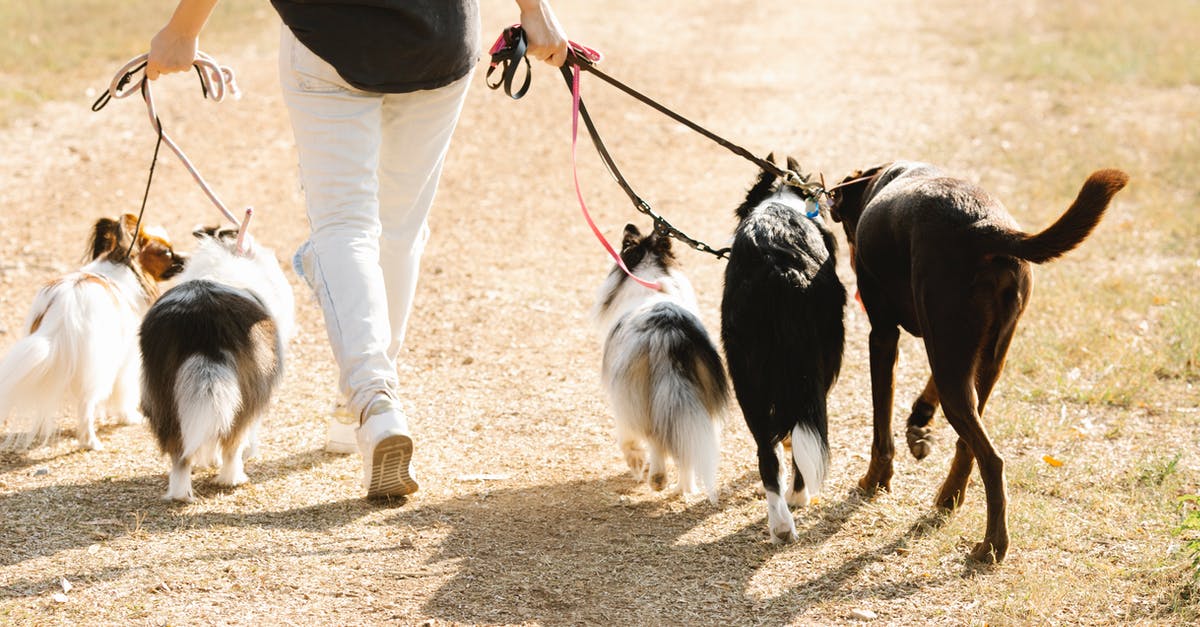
{"x":576,"y":552}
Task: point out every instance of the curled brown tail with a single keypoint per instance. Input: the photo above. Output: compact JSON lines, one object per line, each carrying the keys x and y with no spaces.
{"x":1073,"y":226}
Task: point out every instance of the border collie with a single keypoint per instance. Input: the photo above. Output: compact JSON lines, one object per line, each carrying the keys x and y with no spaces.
{"x":81,"y":336}
{"x":213,"y":349}
{"x":661,"y":371}
{"x":781,"y":325}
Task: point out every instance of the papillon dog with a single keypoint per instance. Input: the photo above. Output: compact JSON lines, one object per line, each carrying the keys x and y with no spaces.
{"x":661,"y":371}
{"x":213,"y":351}
{"x":781,"y":325}
{"x":80,"y":340}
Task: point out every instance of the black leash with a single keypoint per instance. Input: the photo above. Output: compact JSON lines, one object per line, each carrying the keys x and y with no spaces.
{"x":509,"y":51}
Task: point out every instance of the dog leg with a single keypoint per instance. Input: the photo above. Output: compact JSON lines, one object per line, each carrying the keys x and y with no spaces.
{"x":126,"y":394}
{"x":658,"y":467}
{"x":232,"y":469}
{"x":919,"y":433}
{"x":634,"y":450}
{"x":954,"y":489}
{"x":883,"y":343}
{"x":179,"y":485}
{"x":780,"y":523}
{"x":955,"y":371}
{"x":85,"y":431}
{"x":797,"y":494}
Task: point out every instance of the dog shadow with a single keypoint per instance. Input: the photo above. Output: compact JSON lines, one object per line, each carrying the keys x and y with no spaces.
{"x":544,"y":569}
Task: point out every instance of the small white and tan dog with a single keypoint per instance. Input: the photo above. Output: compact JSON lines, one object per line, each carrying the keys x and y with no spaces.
{"x":81,"y":341}
{"x":213,"y":352}
{"x":664,"y":378}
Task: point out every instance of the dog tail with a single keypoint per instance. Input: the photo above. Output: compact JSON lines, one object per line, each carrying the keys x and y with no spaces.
{"x":209,"y":398}
{"x":810,"y":450}
{"x":23,"y":381}
{"x":1073,"y":226}
{"x":689,"y":394}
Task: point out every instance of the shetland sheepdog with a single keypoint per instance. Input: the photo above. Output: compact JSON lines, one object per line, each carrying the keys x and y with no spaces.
{"x":213,"y":353}
{"x":81,"y":336}
{"x":782,"y":329}
{"x":661,"y":371}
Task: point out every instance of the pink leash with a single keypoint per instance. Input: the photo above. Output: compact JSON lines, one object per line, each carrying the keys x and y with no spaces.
{"x":654,"y":285}
{"x":217,"y":81}
{"x":592,"y":56}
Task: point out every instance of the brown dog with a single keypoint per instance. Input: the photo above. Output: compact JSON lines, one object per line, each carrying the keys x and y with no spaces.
{"x":944,"y":260}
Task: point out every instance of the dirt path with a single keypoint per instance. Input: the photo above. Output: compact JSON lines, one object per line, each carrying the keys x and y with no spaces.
{"x":525,"y":513}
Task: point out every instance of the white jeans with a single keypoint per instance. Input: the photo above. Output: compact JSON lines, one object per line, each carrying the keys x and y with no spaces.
{"x":369,"y":166}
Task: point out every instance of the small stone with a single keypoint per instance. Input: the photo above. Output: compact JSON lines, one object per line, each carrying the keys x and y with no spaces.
{"x":41,"y":471}
{"x":863,"y":615}
{"x":59,"y":597}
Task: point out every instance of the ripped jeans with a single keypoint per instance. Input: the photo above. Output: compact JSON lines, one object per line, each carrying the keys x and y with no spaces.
{"x":369,"y":166}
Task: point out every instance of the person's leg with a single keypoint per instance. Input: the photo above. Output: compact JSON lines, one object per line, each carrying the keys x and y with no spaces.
{"x":417,"y":128}
{"x":337,"y":130}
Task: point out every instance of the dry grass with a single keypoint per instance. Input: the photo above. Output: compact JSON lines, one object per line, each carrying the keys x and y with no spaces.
{"x":525,"y":514}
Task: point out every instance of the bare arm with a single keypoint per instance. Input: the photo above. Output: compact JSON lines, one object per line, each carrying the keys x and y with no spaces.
{"x":547,"y":39}
{"x":174,"y":47}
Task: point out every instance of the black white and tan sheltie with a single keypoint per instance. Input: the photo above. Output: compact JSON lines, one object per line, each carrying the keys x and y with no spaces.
{"x":661,"y":371}
{"x":213,"y":353}
{"x":781,"y":325}
{"x":81,"y":336}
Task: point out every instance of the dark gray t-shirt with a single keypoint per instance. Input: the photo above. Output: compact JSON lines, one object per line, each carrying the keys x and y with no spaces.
{"x":389,"y":46}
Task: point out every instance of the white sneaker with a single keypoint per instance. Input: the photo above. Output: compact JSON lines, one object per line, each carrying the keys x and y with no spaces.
{"x":340,"y":436}
{"x":387,"y":448}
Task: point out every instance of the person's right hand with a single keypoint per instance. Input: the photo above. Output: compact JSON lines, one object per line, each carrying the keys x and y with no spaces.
{"x":170,"y":52}
{"x":546,"y":38}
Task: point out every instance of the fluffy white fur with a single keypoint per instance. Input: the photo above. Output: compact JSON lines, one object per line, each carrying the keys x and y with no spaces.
{"x":83,"y":350}
{"x":208,"y":397}
{"x":660,"y":413}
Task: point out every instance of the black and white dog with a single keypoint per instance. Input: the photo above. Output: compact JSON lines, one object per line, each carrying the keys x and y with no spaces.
{"x":661,"y":371}
{"x":781,"y":325}
{"x":213,"y":353}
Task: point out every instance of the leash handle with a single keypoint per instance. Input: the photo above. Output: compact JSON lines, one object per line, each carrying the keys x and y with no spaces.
{"x":216,"y":82}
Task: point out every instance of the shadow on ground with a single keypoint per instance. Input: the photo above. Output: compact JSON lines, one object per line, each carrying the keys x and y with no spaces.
{"x":546,"y":567}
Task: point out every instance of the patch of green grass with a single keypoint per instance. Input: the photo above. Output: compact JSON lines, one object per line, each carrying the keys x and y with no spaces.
{"x":49,"y":48}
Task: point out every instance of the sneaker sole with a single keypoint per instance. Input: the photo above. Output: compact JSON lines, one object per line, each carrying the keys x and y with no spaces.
{"x":389,"y":468}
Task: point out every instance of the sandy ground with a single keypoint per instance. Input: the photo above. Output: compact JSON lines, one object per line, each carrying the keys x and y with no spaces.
{"x":525,"y":512}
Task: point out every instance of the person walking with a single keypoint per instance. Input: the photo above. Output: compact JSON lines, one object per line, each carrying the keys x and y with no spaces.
{"x":374,"y":89}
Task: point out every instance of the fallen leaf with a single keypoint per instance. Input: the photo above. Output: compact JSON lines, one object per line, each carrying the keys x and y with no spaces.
{"x":1050,"y":460}
{"x":59,"y":597}
{"x":66,"y":585}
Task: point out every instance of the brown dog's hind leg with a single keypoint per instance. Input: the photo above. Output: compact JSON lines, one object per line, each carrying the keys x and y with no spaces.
{"x":883,"y":365}
{"x":954,"y":489}
{"x":919,"y":433}
{"x":954,"y":370}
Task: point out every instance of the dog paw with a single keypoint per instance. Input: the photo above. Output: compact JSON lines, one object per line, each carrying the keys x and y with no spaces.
{"x":636,"y":460}
{"x":784,"y":534}
{"x":91,"y":444}
{"x":182,"y":497}
{"x":871,"y":486}
{"x":988,"y":552}
{"x":798,"y":499}
{"x":658,"y":481}
{"x":920,"y":441}
{"x":132,"y":417}
{"x":232,"y":479}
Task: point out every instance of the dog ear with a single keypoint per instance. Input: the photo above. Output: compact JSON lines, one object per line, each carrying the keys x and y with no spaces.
{"x":631,"y":238}
{"x":793,"y":165}
{"x":106,"y":237}
{"x":848,"y":196}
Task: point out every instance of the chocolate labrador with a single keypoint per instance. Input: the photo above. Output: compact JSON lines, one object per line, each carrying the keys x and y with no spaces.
{"x":941,"y":258}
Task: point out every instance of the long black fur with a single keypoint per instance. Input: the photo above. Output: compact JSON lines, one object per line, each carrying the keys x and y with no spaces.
{"x":781,"y":322}
{"x":226,"y":326}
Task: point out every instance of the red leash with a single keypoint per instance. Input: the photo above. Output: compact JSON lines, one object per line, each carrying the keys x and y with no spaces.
{"x":506,"y":40}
